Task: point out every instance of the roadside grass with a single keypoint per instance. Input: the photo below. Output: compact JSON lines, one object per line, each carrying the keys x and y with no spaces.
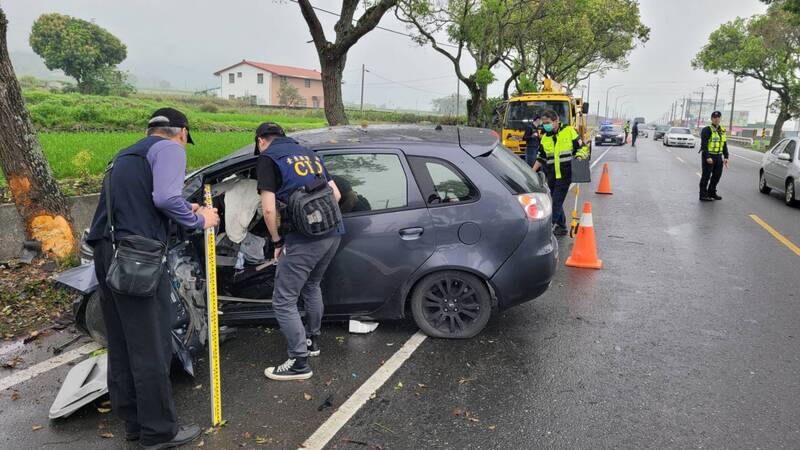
{"x":76,"y":112}
{"x":78,"y":155}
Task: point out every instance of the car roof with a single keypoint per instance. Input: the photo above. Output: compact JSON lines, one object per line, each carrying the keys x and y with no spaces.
{"x":475,"y":141}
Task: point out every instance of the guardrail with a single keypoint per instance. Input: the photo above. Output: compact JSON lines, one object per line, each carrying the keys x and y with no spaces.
{"x":740,"y":140}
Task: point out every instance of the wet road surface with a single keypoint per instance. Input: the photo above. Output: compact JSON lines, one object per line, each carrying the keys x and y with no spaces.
{"x":688,"y":337}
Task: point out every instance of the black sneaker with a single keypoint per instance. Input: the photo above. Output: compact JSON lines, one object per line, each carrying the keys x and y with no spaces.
{"x":292,"y":369}
{"x":312,"y":342}
{"x":715,"y":197}
{"x":560,"y":231}
{"x":705,"y":198}
{"x":185,"y":434}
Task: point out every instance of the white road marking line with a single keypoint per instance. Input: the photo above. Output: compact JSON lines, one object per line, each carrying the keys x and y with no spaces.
{"x":747,"y":159}
{"x":681,"y":159}
{"x":46,"y":366}
{"x":361,"y":396}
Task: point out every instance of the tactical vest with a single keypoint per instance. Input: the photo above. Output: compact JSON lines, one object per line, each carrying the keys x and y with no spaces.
{"x":717,"y":140}
{"x":559,"y":150}
{"x":299,"y":166}
{"x":131,"y":198}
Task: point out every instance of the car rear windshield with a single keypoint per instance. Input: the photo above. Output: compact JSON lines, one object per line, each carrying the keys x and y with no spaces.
{"x":679,"y":131}
{"x":511,"y":170}
{"x":610,"y":129}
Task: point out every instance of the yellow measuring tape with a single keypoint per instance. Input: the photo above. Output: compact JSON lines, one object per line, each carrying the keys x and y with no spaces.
{"x":213,"y":318}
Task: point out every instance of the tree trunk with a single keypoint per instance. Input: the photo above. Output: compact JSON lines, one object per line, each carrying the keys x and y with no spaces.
{"x":475,"y":107}
{"x":33,"y":188}
{"x":332,"y":64}
{"x":783,"y":116}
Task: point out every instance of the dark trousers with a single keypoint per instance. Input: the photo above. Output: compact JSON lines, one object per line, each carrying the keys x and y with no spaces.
{"x":558,"y":191}
{"x":139,"y":355}
{"x":298,"y":275}
{"x":711,"y":175}
{"x":633,"y":139}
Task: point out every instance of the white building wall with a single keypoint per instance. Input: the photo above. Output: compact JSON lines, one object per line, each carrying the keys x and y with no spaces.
{"x":247,"y":85}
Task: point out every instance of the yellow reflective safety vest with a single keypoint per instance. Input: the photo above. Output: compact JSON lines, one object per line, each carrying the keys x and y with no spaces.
{"x":717,"y":140}
{"x":560,"y":151}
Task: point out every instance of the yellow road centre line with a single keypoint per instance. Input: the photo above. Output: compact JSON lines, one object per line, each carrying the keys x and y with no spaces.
{"x":776,"y":235}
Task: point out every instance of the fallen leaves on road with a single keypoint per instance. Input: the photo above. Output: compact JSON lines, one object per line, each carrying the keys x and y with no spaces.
{"x":201,"y":443}
{"x":102,"y":410}
{"x":422,"y":386}
{"x":340,"y":339}
{"x":307,"y":396}
{"x":14,"y":396}
{"x":198,"y":387}
{"x":264,"y":440}
{"x":465,"y":380}
{"x":398,"y":386}
{"x":37,"y":427}
{"x":106,"y":435}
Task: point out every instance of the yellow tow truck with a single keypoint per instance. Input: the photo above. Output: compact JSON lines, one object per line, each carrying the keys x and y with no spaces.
{"x":522,"y":109}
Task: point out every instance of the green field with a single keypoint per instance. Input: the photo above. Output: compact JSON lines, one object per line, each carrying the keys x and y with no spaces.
{"x":61,"y":149}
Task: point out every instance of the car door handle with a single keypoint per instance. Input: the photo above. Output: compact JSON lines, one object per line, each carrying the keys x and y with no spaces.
{"x":409,"y":234}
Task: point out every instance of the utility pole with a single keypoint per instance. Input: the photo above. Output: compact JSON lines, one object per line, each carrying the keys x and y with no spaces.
{"x":363,"y":70}
{"x":716,"y":92}
{"x":684,"y":110}
{"x":766,"y":112}
{"x":458,"y":98}
{"x":607,"y":91}
{"x":700,"y":113}
{"x":588,"y":88}
{"x":733,"y":103}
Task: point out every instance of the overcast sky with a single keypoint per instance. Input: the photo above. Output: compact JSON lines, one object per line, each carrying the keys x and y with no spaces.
{"x":185,"y":41}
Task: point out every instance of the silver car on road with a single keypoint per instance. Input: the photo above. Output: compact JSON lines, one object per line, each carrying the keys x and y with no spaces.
{"x":780,"y":170}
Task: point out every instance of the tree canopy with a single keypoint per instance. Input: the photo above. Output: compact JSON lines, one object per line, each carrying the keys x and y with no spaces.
{"x":765,"y":48}
{"x":83,"y":50}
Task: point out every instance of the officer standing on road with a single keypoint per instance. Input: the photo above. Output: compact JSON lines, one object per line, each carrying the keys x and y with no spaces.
{"x":559,"y":145}
{"x":284,"y":168}
{"x":714,"y":150}
{"x":627,"y":130}
{"x":635,"y":134}
{"x":532,"y":141}
{"x":145,"y":184}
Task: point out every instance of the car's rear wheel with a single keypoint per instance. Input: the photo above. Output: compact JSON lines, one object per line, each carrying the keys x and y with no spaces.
{"x":451,"y":304}
{"x":762,"y":183}
{"x":790,"y":197}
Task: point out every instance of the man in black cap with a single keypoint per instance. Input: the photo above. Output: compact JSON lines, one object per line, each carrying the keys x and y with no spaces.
{"x":714,"y":150}
{"x":284,"y":168}
{"x":145,"y":184}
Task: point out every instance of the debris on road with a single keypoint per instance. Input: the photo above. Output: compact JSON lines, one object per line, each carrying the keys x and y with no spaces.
{"x":328,"y":403}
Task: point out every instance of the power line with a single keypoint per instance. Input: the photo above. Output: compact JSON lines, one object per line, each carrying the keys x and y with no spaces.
{"x":378,"y":27}
{"x":406,"y":85}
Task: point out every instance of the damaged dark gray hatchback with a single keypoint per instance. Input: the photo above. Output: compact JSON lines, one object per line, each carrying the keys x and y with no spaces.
{"x":443,"y":222}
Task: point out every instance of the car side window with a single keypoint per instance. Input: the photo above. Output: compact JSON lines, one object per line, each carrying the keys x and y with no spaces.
{"x":778,"y":149}
{"x":441,"y":182}
{"x":791,"y":149}
{"x":368,"y":181}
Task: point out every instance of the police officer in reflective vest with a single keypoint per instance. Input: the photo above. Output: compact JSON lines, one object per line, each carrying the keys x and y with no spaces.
{"x":284,"y":168}
{"x":559,"y":144}
{"x":714,"y":150}
{"x":627,"y":130}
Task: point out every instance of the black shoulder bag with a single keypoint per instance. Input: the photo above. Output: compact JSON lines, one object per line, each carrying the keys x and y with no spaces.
{"x":138,"y":261}
{"x":313,"y":209}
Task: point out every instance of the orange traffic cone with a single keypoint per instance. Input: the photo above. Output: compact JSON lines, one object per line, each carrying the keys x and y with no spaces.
{"x":605,"y":182}
{"x":584,"y":252}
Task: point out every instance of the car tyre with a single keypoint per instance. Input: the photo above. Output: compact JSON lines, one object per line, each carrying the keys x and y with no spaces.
{"x":93,"y":315}
{"x":790,"y":195}
{"x":451,"y":305}
{"x":762,"y":184}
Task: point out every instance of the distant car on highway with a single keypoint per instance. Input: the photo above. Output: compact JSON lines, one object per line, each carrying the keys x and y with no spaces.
{"x":643,"y":132}
{"x":658,"y":132}
{"x":679,"y":137}
{"x":610,"y":134}
{"x":780,"y":170}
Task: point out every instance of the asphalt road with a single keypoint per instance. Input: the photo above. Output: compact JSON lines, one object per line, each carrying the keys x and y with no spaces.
{"x":687,"y":338}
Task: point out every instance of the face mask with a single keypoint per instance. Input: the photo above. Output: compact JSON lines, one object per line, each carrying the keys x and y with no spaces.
{"x":548,"y":127}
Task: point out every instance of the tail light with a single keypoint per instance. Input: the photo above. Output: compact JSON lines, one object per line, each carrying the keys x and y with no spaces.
{"x":537,"y":206}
